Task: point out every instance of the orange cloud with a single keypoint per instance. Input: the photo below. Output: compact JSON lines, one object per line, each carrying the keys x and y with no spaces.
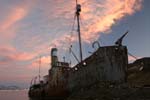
{"x":45,"y":62}
{"x":109,"y":12}
{"x":23,"y":56}
{"x":46,"y":59}
{"x":97,"y":16}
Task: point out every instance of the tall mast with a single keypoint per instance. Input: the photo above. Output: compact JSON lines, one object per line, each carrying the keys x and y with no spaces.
{"x":78,"y":10}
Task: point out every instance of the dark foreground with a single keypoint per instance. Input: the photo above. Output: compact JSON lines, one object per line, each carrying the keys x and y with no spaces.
{"x":103,"y":91}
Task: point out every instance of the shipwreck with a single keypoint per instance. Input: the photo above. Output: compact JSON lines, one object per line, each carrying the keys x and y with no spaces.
{"x":106,"y":64}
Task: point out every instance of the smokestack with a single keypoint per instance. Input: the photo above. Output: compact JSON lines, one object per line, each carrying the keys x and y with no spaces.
{"x":54,"y":58}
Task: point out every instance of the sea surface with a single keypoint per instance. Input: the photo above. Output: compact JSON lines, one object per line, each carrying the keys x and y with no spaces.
{"x":14,"y":95}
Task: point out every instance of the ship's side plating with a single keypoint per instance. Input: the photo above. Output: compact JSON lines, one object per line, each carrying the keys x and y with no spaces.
{"x":108,"y":63}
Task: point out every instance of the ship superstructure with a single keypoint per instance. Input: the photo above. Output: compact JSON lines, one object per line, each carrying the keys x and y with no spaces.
{"x":108,"y":63}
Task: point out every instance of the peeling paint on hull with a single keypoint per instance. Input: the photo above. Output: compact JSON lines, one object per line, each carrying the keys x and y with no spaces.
{"x":106,"y":64}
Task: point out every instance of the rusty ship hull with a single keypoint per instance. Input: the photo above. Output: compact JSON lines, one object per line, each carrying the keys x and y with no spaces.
{"x":55,"y":93}
{"x":108,"y":63}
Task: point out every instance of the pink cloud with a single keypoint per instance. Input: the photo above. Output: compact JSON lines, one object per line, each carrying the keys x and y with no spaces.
{"x":45,"y":62}
{"x":16,"y":15}
{"x":8,"y":29}
{"x":9,"y":24}
{"x":131,"y":59}
{"x":97,"y":16}
{"x":23,"y":78}
{"x":9,"y":53}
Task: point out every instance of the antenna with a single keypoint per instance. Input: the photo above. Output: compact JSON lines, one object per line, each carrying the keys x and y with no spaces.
{"x":35,"y":79}
{"x":64,"y":58}
{"x":39,"y":68}
{"x":76,"y":2}
{"x":78,"y":10}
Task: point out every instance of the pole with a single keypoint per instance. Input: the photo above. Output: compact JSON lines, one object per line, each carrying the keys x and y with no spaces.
{"x":40,"y":69}
{"x":78,"y":10}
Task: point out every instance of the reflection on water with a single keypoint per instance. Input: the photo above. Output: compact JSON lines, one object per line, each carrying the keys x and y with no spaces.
{"x":14,"y":95}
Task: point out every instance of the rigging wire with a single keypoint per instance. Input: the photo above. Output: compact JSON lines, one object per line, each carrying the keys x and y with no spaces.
{"x":132,"y":56}
{"x":70,"y":38}
{"x":70,"y":41}
{"x":81,"y":20}
{"x":71,"y":35}
{"x":72,"y":29}
{"x":71,"y":51}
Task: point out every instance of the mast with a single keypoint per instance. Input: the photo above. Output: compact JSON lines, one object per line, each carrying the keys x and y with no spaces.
{"x":39,"y":68}
{"x":78,"y":10}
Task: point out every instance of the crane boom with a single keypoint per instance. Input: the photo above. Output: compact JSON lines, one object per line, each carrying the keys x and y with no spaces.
{"x":119,"y":41}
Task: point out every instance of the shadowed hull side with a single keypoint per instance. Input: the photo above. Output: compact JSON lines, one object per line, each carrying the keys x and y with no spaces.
{"x":106,"y":64}
{"x":48,"y":94}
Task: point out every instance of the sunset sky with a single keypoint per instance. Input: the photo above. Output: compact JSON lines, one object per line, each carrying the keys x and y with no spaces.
{"x":30,"y":28}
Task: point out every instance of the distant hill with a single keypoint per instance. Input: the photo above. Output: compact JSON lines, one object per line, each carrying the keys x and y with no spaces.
{"x":3,"y":87}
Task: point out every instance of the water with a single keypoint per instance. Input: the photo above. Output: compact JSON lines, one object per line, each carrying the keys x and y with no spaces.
{"x":14,"y":95}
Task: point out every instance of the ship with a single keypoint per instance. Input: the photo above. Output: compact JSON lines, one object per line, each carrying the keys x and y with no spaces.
{"x":105,"y":64}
